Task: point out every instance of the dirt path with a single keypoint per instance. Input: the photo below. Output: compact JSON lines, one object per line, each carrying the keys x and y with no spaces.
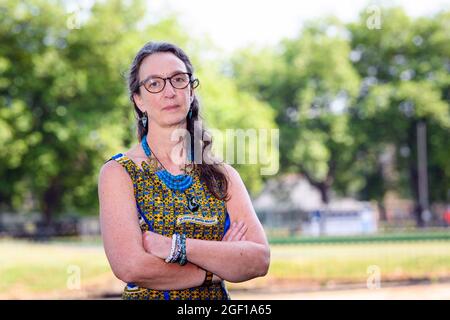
{"x":109,"y":287}
{"x":391,"y":291}
{"x":409,"y":292}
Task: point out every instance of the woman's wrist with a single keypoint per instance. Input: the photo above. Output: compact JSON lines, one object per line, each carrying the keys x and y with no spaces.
{"x":167,"y":247}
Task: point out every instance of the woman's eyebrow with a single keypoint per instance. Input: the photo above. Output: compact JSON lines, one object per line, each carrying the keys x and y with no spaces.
{"x":159,"y":76}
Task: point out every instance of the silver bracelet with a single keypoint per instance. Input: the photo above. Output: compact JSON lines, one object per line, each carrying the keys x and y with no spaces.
{"x":177,"y":253}
{"x":172,"y":249}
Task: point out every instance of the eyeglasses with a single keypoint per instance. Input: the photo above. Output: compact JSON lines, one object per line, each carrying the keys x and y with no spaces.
{"x":178,"y":81}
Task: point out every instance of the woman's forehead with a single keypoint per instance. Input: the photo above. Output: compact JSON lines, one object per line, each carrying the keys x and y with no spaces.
{"x":161,"y":64}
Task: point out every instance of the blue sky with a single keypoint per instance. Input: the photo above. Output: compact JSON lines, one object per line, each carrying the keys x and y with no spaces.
{"x":235,"y":23}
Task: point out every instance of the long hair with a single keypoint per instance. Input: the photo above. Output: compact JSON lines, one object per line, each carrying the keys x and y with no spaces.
{"x":211,"y":173}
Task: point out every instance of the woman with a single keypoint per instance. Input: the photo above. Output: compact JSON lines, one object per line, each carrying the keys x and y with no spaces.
{"x":172,"y":228}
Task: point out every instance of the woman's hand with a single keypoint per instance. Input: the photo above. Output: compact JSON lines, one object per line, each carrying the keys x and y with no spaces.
{"x":236,"y":232}
{"x":156,"y":244}
{"x":160,"y":246}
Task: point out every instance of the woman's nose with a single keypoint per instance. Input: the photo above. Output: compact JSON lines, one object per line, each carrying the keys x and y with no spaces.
{"x":169,"y":90}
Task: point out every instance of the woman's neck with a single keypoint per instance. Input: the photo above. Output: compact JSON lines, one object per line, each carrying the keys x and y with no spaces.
{"x":168,"y":143}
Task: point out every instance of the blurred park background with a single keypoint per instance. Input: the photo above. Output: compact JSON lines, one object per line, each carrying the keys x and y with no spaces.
{"x":362,"y":195}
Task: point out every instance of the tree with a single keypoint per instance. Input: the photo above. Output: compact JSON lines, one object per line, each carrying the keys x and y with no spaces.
{"x":61,"y":94}
{"x":232,"y":113}
{"x":404,"y":67}
{"x":310,"y":83}
{"x":64,"y":106}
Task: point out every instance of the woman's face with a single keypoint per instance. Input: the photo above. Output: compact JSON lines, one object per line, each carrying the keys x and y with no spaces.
{"x":170,"y":106}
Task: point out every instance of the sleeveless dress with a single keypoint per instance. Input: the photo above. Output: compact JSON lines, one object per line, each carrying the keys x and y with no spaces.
{"x":165,"y":211}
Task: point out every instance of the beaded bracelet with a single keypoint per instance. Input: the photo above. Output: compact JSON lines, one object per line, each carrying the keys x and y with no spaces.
{"x":177,"y":253}
{"x":183,"y":258}
{"x":172,"y":249}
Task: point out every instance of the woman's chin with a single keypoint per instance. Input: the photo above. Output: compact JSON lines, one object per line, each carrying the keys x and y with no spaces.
{"x":174,"y":119}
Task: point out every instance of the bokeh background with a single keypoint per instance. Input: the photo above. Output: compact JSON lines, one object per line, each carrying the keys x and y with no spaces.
{"x":359,"y":93}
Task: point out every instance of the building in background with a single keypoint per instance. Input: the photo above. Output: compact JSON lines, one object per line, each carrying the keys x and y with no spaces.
{"x":292,"y":203}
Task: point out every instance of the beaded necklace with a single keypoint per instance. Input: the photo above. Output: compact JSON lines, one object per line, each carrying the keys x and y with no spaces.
{"x":179,"y":182}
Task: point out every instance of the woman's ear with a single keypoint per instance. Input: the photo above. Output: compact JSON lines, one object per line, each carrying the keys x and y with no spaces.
{"x":138,"y":100}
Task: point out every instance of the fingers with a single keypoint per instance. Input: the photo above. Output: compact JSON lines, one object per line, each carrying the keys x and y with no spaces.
{"x":231,"y":231}
{"x":241,"y":228}
{"x":241,"y":233}
{"x":145,"y":241}
{"x":236,"y":232}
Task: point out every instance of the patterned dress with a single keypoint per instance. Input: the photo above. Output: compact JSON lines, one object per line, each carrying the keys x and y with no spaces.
{"x":165,"y":211}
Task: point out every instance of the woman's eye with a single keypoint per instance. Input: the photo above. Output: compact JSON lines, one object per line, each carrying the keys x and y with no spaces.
{"x":180,"y":79}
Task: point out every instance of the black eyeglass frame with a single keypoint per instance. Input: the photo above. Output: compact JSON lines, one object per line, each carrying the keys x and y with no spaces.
{"x":195,"y":82}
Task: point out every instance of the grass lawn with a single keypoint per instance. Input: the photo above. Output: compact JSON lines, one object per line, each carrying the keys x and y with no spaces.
{"x":350,"y":262}
{"x":34,"y":267}
{"x":44,"y":267}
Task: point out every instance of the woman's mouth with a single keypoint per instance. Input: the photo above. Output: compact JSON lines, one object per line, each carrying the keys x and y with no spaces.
{"x":171,"y":107}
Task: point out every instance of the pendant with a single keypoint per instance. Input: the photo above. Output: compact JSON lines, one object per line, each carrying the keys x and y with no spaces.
{"x":192,"y":203}
{"x":188,"y":169}
{"x":154,"y":165}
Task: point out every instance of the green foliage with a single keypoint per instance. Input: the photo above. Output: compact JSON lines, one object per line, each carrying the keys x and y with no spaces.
{"x":310,"y":82}
{"x":66,"y":93}
{"x":343,"y":93}
{"x":227,"y":108}
{"x":64,"y":106}
{"x":404,"y":67}
{"x":339,"y":94}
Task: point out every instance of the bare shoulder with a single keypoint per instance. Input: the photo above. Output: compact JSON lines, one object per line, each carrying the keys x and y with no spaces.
{"x":239,"y":204}
{"x":231,"y":173}
{"x":114,"y":185}
{"x":113,"y":173}
{"x":235,"y":183}
{"x":112,"y":170}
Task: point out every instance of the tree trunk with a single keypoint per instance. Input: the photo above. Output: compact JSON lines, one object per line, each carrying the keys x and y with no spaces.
{"x":413,"y":175}
{"x":382,"y":211}
{"x":51,"y":201}
{"x":324,"y":186}
{"x":324,"y":192}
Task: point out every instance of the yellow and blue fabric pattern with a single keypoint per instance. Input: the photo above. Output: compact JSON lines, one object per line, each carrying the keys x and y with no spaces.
{"x":165,"y":211}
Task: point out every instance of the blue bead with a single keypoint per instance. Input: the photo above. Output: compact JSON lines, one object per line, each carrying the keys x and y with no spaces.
{"x":145,"y":146}
{"x":183,"y":182}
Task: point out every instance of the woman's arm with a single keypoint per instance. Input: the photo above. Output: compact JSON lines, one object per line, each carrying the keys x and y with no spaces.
{"x":122,"y":238}
{"x":234,"y":261}
{"x":234,"y":233}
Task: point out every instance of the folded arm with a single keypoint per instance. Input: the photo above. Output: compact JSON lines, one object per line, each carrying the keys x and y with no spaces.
{"x":122,"y":238}
{"x":234,"y":261}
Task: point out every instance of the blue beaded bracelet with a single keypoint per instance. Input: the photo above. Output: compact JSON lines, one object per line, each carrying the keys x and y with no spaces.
{"x":183,"y":258}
